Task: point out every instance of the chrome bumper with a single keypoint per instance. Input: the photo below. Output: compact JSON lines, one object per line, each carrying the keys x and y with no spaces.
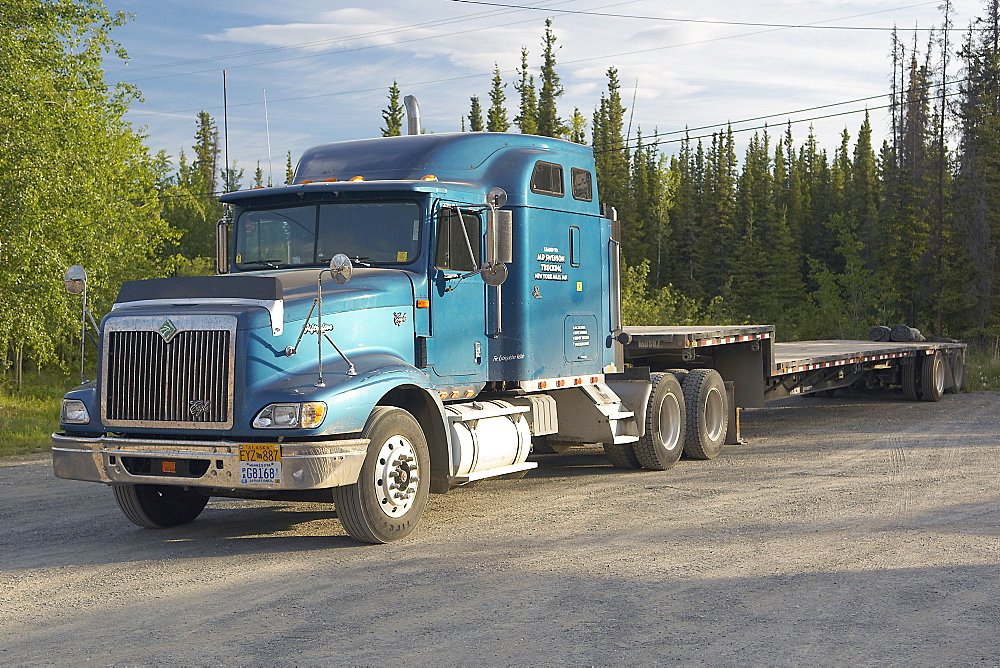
{"x":317,"y":465}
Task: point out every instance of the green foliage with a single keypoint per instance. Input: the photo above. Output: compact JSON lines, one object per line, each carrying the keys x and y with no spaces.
{"x":643,"y":305}
{"x":982,"y":367}
{"x":549,"y":124}
{"x":475,"y":115}
{"x":393,"y":114}
{"x":28,"y":411}
{"x":496,"y":117}
{"x":527,"y":116}
{"x":77,"y":185}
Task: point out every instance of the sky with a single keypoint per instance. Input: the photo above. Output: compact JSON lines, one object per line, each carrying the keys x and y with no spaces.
{"x":324,"y":68}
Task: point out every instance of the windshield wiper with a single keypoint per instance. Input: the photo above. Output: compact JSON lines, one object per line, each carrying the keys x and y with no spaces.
{"x":269,"y":263}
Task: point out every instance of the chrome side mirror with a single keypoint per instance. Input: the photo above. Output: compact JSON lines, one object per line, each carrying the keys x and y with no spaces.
{"x":75,"y":279}
{"x":341,"y":269}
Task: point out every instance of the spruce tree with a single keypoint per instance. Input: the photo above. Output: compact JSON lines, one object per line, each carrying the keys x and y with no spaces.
{"x":527,"y":116}
{"x":393,"y":114}
{"x":549,"y":124}
{"x":496,"y":117}
{"x":475,"y":115}
{"x":577,"y":127}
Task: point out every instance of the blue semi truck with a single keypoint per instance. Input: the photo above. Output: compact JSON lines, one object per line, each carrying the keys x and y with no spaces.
{"x":410,"y":315}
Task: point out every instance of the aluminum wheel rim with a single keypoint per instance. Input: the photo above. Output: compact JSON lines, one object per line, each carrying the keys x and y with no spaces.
{"x":938,"y":375}
{"x":715,"y":415}
{"x":668,"y":422}
{"x":396,"y":476}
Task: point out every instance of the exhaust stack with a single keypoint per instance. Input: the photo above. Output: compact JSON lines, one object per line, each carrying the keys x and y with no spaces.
{"x":412,"y":115}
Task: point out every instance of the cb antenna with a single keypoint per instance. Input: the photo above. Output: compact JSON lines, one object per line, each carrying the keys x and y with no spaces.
{"x":225,"y":133}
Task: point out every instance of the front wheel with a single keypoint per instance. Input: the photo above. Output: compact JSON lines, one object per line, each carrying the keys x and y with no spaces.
{"x":388,"y":499}
{"x":159,"y":506}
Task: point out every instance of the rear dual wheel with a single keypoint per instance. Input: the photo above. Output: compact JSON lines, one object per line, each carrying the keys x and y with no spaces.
{"x":662,"y":443}
{"x":707,"y":413}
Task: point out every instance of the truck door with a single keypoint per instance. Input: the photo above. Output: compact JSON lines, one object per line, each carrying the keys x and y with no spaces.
{"x":457,"y":346}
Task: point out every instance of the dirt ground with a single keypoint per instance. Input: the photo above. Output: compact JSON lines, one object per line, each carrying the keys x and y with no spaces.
{"x":854,"y":530}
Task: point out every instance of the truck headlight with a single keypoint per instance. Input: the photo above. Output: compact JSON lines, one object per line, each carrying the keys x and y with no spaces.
{"x":74,"y":411}
{"x":308,"y":415}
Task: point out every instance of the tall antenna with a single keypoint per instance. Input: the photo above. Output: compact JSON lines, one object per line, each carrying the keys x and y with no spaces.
{"x":267,"y":131}
{"x":225,"y":133}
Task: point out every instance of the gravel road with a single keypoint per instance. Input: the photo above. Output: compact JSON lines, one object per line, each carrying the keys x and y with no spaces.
{"x":853,"y":530}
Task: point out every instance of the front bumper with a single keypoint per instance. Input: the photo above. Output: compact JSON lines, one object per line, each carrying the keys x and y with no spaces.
{"x":109,"y":459}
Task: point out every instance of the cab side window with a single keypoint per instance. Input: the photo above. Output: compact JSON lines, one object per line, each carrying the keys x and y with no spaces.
{"x":547,"y":179}
{"x":459,"y":237}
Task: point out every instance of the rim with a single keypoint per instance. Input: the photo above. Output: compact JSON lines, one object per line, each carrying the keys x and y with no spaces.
{"x":938,"y":374}
{"x":668,"y":422}
{"x":396,"y":476}
{"x":715,"y":414}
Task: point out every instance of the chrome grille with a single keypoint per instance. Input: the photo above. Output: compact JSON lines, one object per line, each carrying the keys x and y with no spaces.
{"x":185,"y":381}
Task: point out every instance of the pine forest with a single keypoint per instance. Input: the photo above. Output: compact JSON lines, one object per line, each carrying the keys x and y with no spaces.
{"x":820,"y":243}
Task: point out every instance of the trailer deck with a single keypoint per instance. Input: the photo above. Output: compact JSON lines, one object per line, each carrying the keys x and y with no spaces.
{"x":765,"y":370}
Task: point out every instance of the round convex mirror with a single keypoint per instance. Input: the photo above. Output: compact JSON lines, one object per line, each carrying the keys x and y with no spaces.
{"x":341,"y":268}
{"x":75,"y":279}
{"x":494,"y":274}
{"x":496,"y":198}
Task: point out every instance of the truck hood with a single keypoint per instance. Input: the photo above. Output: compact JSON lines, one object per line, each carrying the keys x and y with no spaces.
{"x":287,"y":294}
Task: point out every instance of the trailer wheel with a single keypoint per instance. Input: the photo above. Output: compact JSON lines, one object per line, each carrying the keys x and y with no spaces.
{"x":386,"y":502}
{"x":932,"y":377}
{"x":159,"y":506}
{"x":622,"y":455}
{"x":910,"y":377}
{"x":957,"y":372}
{"x":707,"y":413}
{"x":662,"y":444}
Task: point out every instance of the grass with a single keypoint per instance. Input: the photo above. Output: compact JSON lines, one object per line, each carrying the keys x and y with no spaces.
{"x":29,"y":414}
{"x":982,"y":369}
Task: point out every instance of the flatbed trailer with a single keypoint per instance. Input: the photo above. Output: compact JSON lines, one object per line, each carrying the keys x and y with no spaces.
{"x":761,"y":369}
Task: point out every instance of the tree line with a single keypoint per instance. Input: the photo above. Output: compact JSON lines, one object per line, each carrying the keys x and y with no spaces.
{"x":822,"y":244}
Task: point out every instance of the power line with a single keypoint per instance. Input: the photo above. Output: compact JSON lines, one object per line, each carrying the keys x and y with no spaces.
{"x":301,"y":45}
{"x":751,"y":24}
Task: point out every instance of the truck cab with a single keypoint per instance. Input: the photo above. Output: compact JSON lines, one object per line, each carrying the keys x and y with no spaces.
{"x":407,"y":316}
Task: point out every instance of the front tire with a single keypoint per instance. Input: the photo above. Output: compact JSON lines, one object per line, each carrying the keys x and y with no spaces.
{"x":663,"y":442}
{"x":159,"y":506}
{"x":386,"y":502}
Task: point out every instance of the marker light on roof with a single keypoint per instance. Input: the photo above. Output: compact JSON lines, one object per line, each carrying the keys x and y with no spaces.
{"x":357,"y":178}
{"x":429,"y":177}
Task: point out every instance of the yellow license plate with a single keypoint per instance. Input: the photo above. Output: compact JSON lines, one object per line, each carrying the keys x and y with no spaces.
{"x":260,"y":452}
{"x":260,"y":464}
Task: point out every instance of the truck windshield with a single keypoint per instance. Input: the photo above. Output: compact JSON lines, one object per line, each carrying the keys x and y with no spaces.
{"x":367,"y":232}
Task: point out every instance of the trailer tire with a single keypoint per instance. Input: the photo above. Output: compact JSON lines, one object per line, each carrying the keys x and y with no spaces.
{"x":159,"y":506}
{"x":374,"y":510}
{"x":707,"y":413}
{"x":910,"y":379}
{"x":957,"y":372}
{"x":622,"y":455}
{"x":932,"y":377}
{"x":663,"y":442}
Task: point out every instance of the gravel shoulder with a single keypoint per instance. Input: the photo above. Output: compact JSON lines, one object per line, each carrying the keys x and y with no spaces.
{"x":858,"y":530}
